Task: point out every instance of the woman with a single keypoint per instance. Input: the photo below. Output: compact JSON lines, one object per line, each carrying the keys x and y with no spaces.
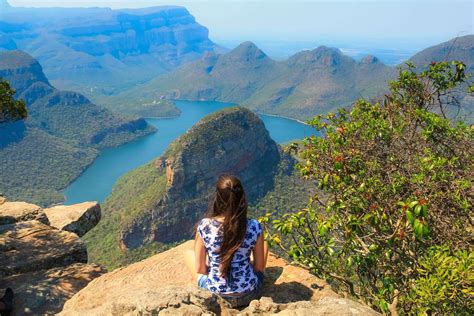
{"x":227,"y":238}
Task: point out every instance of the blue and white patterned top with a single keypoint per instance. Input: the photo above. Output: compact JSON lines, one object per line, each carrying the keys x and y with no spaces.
{"x":242,"y":278}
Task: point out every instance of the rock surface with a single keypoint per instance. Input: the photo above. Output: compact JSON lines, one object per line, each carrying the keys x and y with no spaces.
{"x":44,"y":266}
{"x":31,"y":246}
{"x":162,"y":284}
{"x":77,"y":218}
{"x":44,"y":292}
{"x":12,"y":212}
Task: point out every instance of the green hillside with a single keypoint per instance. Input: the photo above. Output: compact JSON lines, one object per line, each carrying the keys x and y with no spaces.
{"x":308,"y":83}
{"x":62,"y":135}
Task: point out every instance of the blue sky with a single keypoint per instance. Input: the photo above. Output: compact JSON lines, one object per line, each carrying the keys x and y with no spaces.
{"x":401,"y":22}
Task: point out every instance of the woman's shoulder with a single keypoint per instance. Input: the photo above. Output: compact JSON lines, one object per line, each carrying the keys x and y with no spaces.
{"x":254,"y":225}
{"x":208,"y":222}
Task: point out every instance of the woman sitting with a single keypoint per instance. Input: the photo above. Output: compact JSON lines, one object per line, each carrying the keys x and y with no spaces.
{"x":224,"y":243}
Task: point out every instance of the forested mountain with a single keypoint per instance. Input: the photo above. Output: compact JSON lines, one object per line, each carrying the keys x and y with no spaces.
{"x":308,"y":83}
{"x":461,"y":49}
{"x":99,"y":50}
{"x":60,"y":137}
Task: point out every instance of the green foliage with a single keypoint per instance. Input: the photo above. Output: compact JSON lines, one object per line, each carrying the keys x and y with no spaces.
{"x":10,"y":109}
{"x":445,"y":284}
{"x":133,"y":193}
{"x":394,"y":180}
{"x":39,"y":166}
{"x":63,"y":134}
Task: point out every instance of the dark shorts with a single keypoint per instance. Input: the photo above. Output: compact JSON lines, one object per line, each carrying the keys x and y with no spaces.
{"x":238,"y":300}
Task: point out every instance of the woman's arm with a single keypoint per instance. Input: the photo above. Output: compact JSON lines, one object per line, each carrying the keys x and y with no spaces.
{"x":259,"y":254}
{"x":200,"y":255}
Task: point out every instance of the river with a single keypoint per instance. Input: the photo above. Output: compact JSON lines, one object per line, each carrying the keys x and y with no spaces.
{"x":96,"y":183}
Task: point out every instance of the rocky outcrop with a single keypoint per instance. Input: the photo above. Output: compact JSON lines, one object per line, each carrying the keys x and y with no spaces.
{"x":78,"y":218}
{"x":12,"y":212}
{"x":232,"y":141}
{"x":21,"y":70}
{"x":44,"y":266}
{"x":43,"y":292}
{"x":162,"y":284}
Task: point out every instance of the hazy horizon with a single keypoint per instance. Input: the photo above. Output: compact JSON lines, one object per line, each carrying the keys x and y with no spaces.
{"x":382,"y":24}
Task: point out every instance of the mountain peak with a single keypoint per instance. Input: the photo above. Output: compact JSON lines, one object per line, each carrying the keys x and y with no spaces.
{"x":328,"y":56}
{"x":369,"y":59}
{"x":248,"y":50}
{"x":15,"y":59}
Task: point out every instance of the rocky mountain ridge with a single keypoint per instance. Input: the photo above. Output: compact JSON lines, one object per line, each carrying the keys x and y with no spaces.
{"x":308,"y":83}
{"x":60,"y":137}
{"x":98,"y":50}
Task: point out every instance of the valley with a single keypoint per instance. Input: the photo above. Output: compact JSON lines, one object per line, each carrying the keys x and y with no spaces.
{"x":355,"y":159}
{"x":63,"y":134}
{"x":97,"y":181}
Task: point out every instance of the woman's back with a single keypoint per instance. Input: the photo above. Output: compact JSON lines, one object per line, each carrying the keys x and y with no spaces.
{"x":242,"y":277}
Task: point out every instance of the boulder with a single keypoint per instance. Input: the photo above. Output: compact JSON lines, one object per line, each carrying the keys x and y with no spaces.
{"x":32,"y":246}
{"x":12,"y":212}
{"x":44,"y":292}
{"x":77,"y":218}
{"x":162,"y":284}
{"x":325,"y":306}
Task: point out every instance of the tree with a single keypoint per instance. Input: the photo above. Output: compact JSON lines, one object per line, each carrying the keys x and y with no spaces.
{"x":395,"y":185}
{"x":10,"y":109}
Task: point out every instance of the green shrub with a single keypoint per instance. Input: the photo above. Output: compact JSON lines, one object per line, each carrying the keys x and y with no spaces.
{"x":10,"y":109}
{"x":394,"y":180}
{"x":445,"y":284}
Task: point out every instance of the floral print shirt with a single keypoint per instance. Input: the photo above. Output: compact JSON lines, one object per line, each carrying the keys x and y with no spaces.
{"x":242,"y":278}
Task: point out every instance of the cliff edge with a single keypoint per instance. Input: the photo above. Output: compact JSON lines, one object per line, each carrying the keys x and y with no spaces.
{"x":44,"y":265}
{"x":162,"y":285}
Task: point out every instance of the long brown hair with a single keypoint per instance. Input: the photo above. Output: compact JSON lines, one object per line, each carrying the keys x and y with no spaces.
{"x":230,"y":201}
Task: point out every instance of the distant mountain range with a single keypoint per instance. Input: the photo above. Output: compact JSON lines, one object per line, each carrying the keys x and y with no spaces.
{"x":136,"y":61}
{"x":62,"y":135}
{"x":100,"y":51}
{"x":301,"y":86}
{"x":308,"y":83}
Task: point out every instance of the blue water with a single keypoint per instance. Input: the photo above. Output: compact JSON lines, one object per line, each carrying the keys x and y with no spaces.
{"x":95,"y":184}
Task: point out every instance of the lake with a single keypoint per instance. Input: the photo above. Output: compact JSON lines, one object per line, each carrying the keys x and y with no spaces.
{"x":96,"y":183}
